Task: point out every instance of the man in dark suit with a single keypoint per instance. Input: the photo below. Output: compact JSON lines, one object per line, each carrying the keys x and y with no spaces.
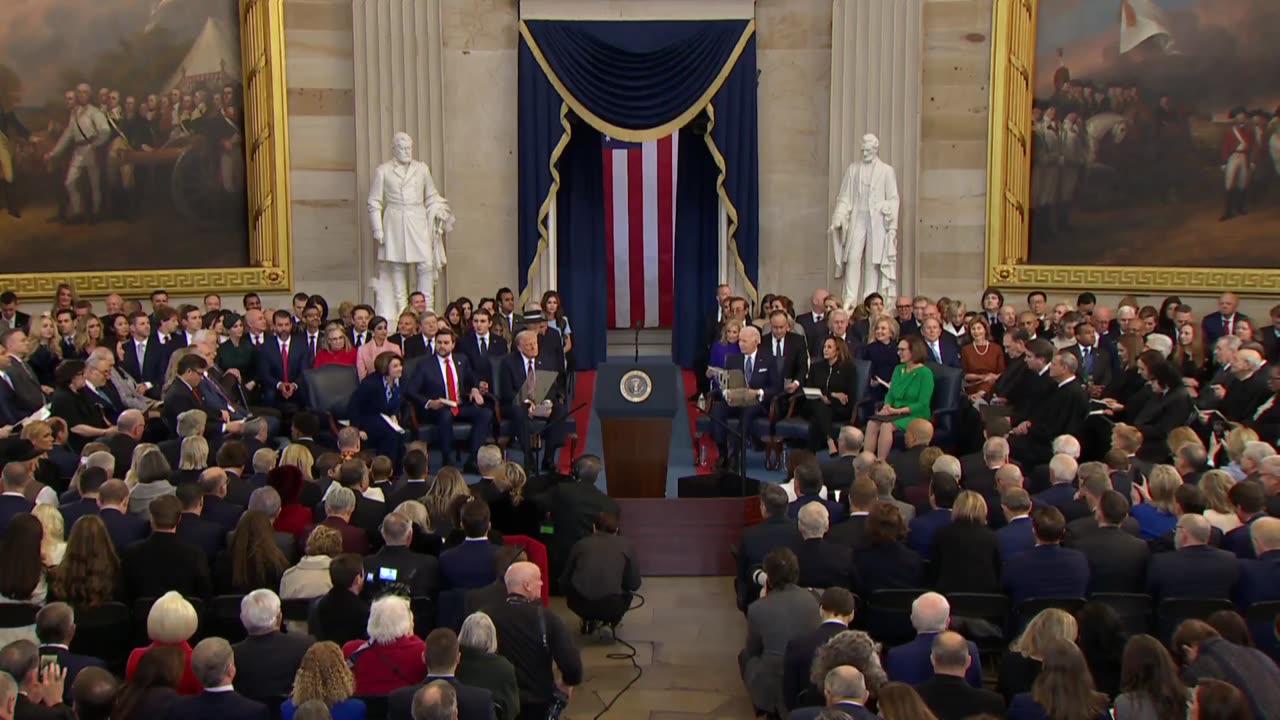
{"x":808,"y":485}
{"x":1248,"y":389}
{"x":368,"y":513}
{"x":1048,"y":569}
{"x":213,"y":663}
{"x":1195,"y":569}
{"x":1093,"y":361}
{"x":28,"y":395}
{"x":281,"y":364}
{"x":1223,"y":322}
{"x":359,"y":332}
{"x":1018,"y":535}
{"x":838,"y":472}
{"x":267,"y":659}
{"x":145,"y":359}
{"x":836,"y":607}
{"x":906,"y":462}
{"x":947,"y":693}
{"x":185,"y":393}
{"x":480,"y":345}
{"x":473,"y":563}
{"x":193,"y":529}
{"x":845,"y":691}
{"x":910,"y":663}
{"x":852,"y":533}
{"x":442,"y":656}
{"x":448,"y":378}
{"x":941,"y":347}
{"x":10,"y":316}
{"x":1061,"y":412}
{"x":55,"y":627}
{"x":1250,"y":501}
{"x":15,"y":478}
{"x":507,"y":311}
{"x":778,"y":530}
{"x":785,"y":612}
{"x":978,"y":470}
{"x":943,"y":491}
{"x":823,"y":564}
{"x":20,"y":662}
{"x":91,"y":481}
{"x":1062,"y":491}
{"x":216,"y":507}
{"x":837,"y":326}
{"x":789,"y":352}
{"x":1117,"y":559}
{"x":414,"y":485}
{"x":814,"y":322}
{"x":397,"y":567}
{"x":124,"y":528}
{"x":763,"y":384}
{"x":163,"y":562}
{"x":518,"y":389}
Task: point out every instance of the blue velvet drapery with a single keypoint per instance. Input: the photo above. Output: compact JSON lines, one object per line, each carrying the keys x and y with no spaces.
{"x":636,"y":81}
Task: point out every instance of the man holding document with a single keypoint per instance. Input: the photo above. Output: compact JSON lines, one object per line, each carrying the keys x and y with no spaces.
{"x":754,"y":381}
{"x":533,"y":389}
{"x":443,"y":390}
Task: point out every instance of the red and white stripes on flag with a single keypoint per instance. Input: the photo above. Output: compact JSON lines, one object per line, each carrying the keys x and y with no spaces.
{"x":640,"y":226}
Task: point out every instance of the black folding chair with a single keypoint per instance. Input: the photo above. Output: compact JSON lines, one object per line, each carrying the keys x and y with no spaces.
{"x":981,"y":617}
{"x":224,"y":618}
{"x":1034,"y":606}
{"x":887,"y":616}
{"x":1262,"y":618}
{"x":1171,"y":612}
{"x":104,"y":631}
{"x":1135,"y":610}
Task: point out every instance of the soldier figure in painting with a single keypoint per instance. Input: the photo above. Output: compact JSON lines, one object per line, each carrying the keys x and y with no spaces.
{"x":1238,"y":164}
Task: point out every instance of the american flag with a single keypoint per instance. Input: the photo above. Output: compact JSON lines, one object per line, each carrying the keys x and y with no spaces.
{"x":640,"y":224}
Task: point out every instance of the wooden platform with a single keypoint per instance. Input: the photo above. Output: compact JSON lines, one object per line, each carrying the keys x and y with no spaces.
{"x":687,"y":536}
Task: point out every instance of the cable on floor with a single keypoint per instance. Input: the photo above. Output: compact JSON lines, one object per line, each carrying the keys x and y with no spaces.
{"x":629,"y":655}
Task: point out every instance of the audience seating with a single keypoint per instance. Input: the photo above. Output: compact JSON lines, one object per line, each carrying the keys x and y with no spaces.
{"x":329,"y":390}
{"x":984,"y":617}
{"x":1172,"y":611}
{"x":1262,"y":618}
{"x":104,"y":631}
{"x":948,"y":387}
{"x":1135,"y":610}
{"x":16,"y":615}
{"x":1032,"y":607}
{"x":296,"y":609}
{"x":224,"y":618}
{"x":886,"y":615}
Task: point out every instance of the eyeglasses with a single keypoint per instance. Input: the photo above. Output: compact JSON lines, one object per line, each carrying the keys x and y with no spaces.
{"x":904,"y":307}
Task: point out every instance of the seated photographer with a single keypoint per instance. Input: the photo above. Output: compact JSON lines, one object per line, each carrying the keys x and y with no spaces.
{"x":600,"y":574}
{"x":763,"y":384}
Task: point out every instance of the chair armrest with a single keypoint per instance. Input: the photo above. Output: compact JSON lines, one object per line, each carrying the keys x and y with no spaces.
{"x":497,"y":406}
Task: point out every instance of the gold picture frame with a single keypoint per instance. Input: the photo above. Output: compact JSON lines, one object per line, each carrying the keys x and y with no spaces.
{"x":1013,"y":50}
{"x":267,"y":187}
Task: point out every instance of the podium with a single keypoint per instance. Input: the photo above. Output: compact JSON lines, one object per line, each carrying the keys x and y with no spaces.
{"x":636,"y":402}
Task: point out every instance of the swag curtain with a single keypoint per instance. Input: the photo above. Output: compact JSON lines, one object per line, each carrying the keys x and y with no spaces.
{"x":637,"y":81}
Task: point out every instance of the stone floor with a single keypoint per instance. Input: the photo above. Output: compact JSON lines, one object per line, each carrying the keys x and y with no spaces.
{"x":687,"y":636}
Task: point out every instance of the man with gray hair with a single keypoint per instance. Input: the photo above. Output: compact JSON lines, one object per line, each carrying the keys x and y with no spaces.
{"x":8,"y":696}
{"x":763,"y":383}
{"x":214,"y":666}
{"x":55,"y":629}
{"x":338,"y":508}
{"x":15,"y":477}
{"x":267,"y":659}
{"x":37,"y":688}
{"x":823,"y":563}
{"x":398,"y":568}
{"x":845,"y":691}
{"x":838,"y":472}
{"x":1196,"y":569}
{"x":437,"y":700}
{"x":488,"y":460}
{"x":213,"y":483}
{"x":947,"y":466}
{"x":1255,"y":452}
{"x":1095,"y":482}
{"x":777,"y":530}
{"x":1062,"y":492}
{"x":130,"y":426}
{"x":189,"y":424}
{"x":949,"y":693}
{"x":885,"y":477}
{"x":980,"y":472}
{"x":909,"y":663}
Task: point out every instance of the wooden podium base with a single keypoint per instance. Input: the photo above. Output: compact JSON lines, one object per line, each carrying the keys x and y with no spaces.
{"x":636,"y":451}
{"x":687,"y":536}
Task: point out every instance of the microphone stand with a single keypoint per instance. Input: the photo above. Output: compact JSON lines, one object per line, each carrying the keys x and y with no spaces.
{"x":740,"y":456}
{"x":531,"y":461}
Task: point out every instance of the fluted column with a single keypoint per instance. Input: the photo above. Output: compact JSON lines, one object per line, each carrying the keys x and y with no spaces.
{"x":399,"y":86}
{"x":876,"y":65}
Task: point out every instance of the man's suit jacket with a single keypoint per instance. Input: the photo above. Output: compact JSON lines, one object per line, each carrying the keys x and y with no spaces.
{"x":853,"y":710}
{"x":416,"y":571}
{"x":24,"y":709}
{"x":760,"y":540}
{"x":162,"y":563}
{"x":469,"y":347}
{"x":812,"y":325}
{"x":271,"y":371}
{"x":772,"y":621}
{"x":9,"y":402}
{"x":1244,"y":397}
{"x":911,"y":664}
{"x":799,"y":657}
{"x":851,"y":533}
{"x":473,"y":703}
{"x":473,"y":564}
{"x":410,"y":490}
{"x":764,"y":375}
{"x":835,"y":511}
{"x":21,"y":321}
{"x":12,"y":505}
{"x":218,"y":706}
{"x":1045,"y":571}
{"x":222,"y":511}
{"x":416,"y":346}
{"x":906,"y":466}
{"x":514,"y":371}
{"x":1240,"y":540}
{"x":949,"y":349}
{"x":574,"y":508}
{"x":72,"y":663}
{"x":429,"y":383}
{"x":1016,"y":537}
{"x":209,"y":536}
{"x":1117,"y":560}
{"x":924,"y":527}
{"x":1063,"y":497}
{"x":1200,"y":571}
{"x":1214,"y":326}
{"x":1102,"y":365}
{"x":266,"y":664}
{"x":794,"y":362}
{"x":154,"y":361}
{"x":27,"y":392}
{"x":179,"y":398}
{"x":73,"y":511}
{"x":1259,"y":580}
{"x":825,"y":564}
{"x":951,"y":698}
{"x":837,"y":474}
{"x":125,"y":529}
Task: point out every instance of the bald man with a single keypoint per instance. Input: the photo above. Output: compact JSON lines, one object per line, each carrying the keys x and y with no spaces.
{"x":845,"y":690}
{"x":1260,"y":578}
{"x":1196,"y":570}
{"x":1223,"y":322}
{"x":763,"y":383}
{"x":946,"y":693}
{"x":535,"y":640}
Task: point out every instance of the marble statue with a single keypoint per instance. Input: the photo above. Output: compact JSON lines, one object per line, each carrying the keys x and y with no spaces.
{"x":409,"y":218}
{"x":864,"y":227}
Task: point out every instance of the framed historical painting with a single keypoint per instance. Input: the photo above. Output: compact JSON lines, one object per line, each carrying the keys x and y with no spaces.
{"x":143,"y":144}
{"x":1135,"y":145}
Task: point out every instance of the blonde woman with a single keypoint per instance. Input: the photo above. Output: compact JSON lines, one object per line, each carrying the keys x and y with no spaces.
{"x":1021,"y":665}
{"x":89,"y":335}
{"x":53,"y":545}
{"x":425,"y":541}
{"x":1237,"y":439}
{"x":510,"y":512}
{"x":44,"y":352}
{"x":324,"y":676}
{"x":193,"y":458}
{"x":966,"y":553}
{"x":310,"y":577}
{"x":1220,"y":513}
{"x":1180,"y":436}
{"x":1155,"y":512}
{"x":449,"y":485}
{"x":131,"y":476}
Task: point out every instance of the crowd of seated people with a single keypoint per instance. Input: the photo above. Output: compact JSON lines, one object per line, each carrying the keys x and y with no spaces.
{"x":255,"y":557}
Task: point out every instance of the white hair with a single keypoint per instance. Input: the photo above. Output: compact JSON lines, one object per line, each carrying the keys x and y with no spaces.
{"x":948,"y":465}
{"x":995,"y":448}
{"x":478,"y":633}
{"x":389,"y":620}
{"x":930,"y":613}
{"x":488,"y":458}
{"x":851,"y":439}
{"x":1256,"y":451}
{"x":340,"y":501}
{"x":1067,"y":445}
{"x":1251,"y":358}
{"x":1062,"y":469}
{"x":260,"y":612}
{"x":1162,"y":344}
{"x":813,"y":520}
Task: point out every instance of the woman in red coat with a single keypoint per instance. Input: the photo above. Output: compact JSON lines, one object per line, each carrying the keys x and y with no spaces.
{"x":392,"y":657}
{"x":338,"y":350}
{"x":288,"y":481}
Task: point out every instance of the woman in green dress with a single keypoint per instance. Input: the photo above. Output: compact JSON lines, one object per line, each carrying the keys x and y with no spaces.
{"x":910,"y":396}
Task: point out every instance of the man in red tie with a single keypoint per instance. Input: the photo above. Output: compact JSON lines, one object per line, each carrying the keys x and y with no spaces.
{"x":443,"y":391}
{"x":281,"y":361}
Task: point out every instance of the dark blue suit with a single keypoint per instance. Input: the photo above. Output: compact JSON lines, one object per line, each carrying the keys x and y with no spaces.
{"x":225,"y":513}
{"x":154,"y":362}
{"x":1214,"y":326}
{"x":367,"y":406}
{"x":470,"y":565}
{"x":469,"y":346}
{"x":1199,"y":571}
{"x":949,"y":349}
{"x":1240,"y":542}
{"x":73,"y":511}
{"x":855,"y":712}
{"x":218,"y":706}
{"x":513,"y":374}
{"x":1046,"y":571}
{"x":835,"y":511}
{"x":209,"y":536}
{"x":910,"y":663}
{"x":9,"y":414}
{"x":125,"y":529}
{"x":72,"y":663}
{"x":1016,"y":537}
{"x":429,"y":383}
{"x":924,"y":527}
{"x":765,"y":377}
{"x":1260,"y":582}
{"x":11,"y":505}
{"x":271,"y":368}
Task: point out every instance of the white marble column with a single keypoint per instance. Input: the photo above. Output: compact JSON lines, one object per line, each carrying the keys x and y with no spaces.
{"x":399,"y":86}
{"x":876,"y":66}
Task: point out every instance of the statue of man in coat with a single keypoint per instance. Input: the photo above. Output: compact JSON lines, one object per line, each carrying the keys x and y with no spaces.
{"x":864,"y":227}
{"x":409,"y":218}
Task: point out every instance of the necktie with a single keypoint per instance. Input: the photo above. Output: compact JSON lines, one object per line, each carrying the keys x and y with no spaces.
{"x":142,"y":356}
{"x":484,"y":346}
{"x":431,"y":346}
{"x":312,"y":342}
{"x":359,"y":338}
{"x":284,"y":358}
{"x":199,"y":398}
{"x":533,"y":378}
{"x":1227,"y":323}
{"x":937,"y":353}
{"x":390,"y":391}
{"x":748,"y":367}
{"x":451,"y":384}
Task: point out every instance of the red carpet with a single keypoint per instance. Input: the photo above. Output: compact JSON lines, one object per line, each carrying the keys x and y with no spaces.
{"x":690,"y":388}
{"x":584,"y":393}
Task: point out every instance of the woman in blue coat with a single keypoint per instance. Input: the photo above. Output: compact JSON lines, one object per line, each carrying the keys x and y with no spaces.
{"x":379,"y":397}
